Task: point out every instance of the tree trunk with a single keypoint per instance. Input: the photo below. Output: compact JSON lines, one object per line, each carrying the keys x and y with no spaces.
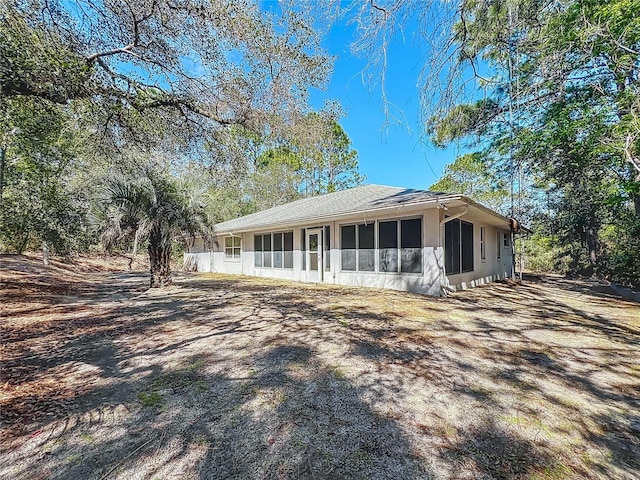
{"x":23,"y":244}
{"x":45,"y":254}
{"x":159,"y":260}
{"x":135,"y":250}
{"x":2,"y":168}
{"x":592,"y":245}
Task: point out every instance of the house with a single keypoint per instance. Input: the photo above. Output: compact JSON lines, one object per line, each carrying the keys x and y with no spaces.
{"x":370,"y":236}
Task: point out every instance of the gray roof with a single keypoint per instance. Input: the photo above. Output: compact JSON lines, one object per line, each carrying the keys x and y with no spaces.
{"x":336,"y":204}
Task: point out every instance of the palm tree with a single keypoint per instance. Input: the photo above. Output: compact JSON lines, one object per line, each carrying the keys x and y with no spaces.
{"x":156,"y":208}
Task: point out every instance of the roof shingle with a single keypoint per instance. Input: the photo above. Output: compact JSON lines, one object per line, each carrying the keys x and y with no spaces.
{"x":343,"y":202}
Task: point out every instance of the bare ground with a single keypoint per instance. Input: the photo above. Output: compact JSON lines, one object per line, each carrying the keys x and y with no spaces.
{"x":230,"y":377}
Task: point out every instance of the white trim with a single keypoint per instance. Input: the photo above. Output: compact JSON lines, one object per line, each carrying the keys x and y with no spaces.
{"x":319,"y":251}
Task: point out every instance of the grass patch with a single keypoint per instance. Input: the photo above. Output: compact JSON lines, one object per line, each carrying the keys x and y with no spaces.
{"x":555,"y":471}
{"x":478,"y":392}
{"x":73,"y":459}
{"x":87,"y":438}
{"x":360,"y":456}
{"x":338,"y":372}
{"x":524,"y":421}
{"x":151,"y":399}
{"x":248,"y":388}
{"x":196,"y":365}
{"x":183,"y":379}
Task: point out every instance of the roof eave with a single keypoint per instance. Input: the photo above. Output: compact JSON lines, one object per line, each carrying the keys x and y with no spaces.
{"x":324,"y":218}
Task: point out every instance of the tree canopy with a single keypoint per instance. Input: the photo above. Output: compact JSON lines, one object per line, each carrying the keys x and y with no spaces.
{"x":197,"y":65}
{"x":469,"y":176}
{"x":176,"y":100}
{"x":546,"y":92}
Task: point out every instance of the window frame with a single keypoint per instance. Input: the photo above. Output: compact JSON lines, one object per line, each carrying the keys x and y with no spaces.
{"x":272,"y":250}
{"x":362,"y":233}
{"x":483,"y":244}
{"x":461,"y":251}
{"x":258,"y":251}
{"x":232,"y":252}
{"x":343,"y":249}
{"x":396,"y":240}
{"x":465,"y":253}
{"x":401,"y":246}
{"x":376,"y":246}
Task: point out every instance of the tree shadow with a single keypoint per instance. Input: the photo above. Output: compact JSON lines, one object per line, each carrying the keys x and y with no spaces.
{"x":252,"y":380}
{"x":289,"y":417}
{"x":496,"y":453}
{"x":619,"y":435}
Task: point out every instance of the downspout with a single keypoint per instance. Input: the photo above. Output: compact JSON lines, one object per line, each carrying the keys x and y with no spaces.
{"x":513,"y":255}
{"x":453,"y":217}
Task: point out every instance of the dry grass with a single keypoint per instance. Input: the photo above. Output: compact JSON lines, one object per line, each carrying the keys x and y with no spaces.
{"x":233,"y":377}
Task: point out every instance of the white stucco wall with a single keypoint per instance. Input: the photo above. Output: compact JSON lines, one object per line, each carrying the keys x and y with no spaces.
{"x":432,"y":281}
{"x":488,"y":270}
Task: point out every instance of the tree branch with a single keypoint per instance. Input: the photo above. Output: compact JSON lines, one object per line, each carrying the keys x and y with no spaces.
{"x":126,"y":49}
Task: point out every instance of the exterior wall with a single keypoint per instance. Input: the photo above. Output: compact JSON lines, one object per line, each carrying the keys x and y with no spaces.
{"x":433,"y":280}
{"x":484,"y":271}
{"x":429,"y":282}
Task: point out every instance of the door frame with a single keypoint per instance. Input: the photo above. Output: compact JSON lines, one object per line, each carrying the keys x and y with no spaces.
{"x":320,"y":251}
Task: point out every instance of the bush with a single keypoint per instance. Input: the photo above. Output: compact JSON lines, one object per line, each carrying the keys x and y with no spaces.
{"x":543,"y":255}
{"x":620,"y":259}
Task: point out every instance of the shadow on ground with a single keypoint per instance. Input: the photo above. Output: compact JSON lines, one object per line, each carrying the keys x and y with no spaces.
{"x":240,"y":378}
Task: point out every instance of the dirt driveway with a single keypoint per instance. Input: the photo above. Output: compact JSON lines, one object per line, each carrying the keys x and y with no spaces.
{"x":221,"y":377}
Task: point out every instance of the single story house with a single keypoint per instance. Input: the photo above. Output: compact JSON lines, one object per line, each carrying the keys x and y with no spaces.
{"x":371,"y":236}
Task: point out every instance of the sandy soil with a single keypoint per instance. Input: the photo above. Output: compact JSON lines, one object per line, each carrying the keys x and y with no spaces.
{"x":222,"y":377}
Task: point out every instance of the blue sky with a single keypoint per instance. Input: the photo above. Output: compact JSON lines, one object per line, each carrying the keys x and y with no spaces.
{"x":393,"y":154}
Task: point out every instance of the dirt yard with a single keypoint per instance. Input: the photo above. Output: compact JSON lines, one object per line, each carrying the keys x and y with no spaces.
{"x":221,"y":377}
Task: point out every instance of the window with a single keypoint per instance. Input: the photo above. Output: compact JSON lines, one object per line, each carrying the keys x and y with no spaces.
{"x":466,"y":245}
{"x":257,"y":250}
{"x":232,"y":247}
{"x":366,"y":248}
{"x":399,"y":246}
{"x":277,"y":250}
{"x":268,"y":256}
{"x":411,"y":245}
{"x":506,"y":240}
{"x":452,"y":247}
{"x":388,"y":246}
{"x":348,"y":245}
{"x":303,"y":247}
{"x":498,"y":240}
{"x":288,"y":250}
{"x":273,"y":250}
{"x":483,"y":249}
{"x":458,"y":246}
